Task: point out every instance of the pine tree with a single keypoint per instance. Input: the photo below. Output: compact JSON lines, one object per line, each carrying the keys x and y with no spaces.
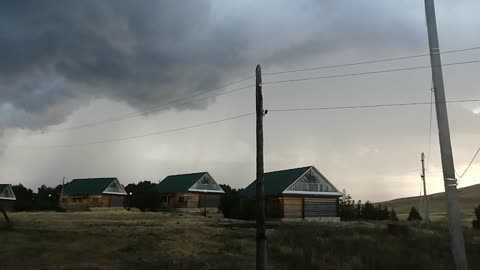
{"x":414,"y":215}
{"x":393,"y":215}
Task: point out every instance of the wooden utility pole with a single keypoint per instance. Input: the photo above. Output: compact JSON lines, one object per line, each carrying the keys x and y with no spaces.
{"x":261,"y":235}
{"x":425,"y":198}
{"x":450,"y":182}
{"x":61,"y":193}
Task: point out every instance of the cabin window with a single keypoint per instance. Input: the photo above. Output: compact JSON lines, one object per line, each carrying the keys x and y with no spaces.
{"x":181,"y":199}
{"x":76,"y":199}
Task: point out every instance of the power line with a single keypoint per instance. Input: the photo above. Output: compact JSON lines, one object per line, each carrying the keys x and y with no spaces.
{"x":368,"y":106}
{"x":368,"y":62}
{"x":469,"y":164}
{"x":161,"y":107}
{"x":366,"y":73}
{"x":150,"y":134}
{"x":248,"y":114}
{"x":179,"y":101}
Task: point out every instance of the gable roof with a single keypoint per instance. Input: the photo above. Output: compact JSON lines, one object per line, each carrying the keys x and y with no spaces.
{"x":277,"y":181}
{"x":180,"y":183}
{"x":4,"y":187}
{"x":88,"y":186}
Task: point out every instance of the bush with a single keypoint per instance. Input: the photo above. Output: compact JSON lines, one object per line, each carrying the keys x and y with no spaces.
{"x":414,"y":215}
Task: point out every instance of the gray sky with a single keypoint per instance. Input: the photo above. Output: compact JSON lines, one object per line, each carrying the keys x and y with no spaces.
{"x":71,"y":63}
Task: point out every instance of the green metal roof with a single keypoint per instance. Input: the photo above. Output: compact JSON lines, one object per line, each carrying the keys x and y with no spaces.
{"x":276,"y":182}
{"x":3,"y":187}
{"x":178,"y":183}
{"x":87,"y":186}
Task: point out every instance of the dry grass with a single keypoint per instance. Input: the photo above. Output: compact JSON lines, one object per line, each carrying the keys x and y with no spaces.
{"x":119,"y":240}
{"x":128,"y":240}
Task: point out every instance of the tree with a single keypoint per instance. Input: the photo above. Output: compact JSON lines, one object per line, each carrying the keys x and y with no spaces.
{"x":369,"y":212}
{"x":229,"y":202}
{"x":346,"y":207}
{"x":393,"y":215}
{"x":476,"y":222}
{"x":358,"y":210}
{"x":47,"y":198}
{"x":24,"y":197}
{"x":143,"y":196}
{"x":414,"y":215}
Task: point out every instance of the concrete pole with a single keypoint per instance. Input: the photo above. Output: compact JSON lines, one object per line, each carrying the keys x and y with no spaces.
{"x":450,"y":182}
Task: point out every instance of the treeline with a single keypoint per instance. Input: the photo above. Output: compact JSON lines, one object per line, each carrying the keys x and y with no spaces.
{"x":349,"y":210}
{"x":46,"y":198}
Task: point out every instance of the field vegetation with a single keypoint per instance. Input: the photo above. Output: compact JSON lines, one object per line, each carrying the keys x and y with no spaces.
{"x":148,"y":240}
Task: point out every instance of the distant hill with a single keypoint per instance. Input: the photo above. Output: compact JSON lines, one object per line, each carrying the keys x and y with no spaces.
{"x":469,"y":199}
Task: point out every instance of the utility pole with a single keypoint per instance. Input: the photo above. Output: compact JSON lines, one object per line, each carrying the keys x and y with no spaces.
{"x":425,"y":200}
{"x":61,"y":193}
{"x":454,"y":216}
{"x":261,"y":261}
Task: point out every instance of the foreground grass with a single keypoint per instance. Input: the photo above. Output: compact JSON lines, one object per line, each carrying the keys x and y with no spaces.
{"x":126,"y":240}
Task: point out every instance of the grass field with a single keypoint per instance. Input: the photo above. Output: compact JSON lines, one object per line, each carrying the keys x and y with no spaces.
{"x":135,"y":240}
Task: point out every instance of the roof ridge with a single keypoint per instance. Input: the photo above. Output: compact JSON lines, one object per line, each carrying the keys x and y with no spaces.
{"x":303,"y":167}
{"x":186,"y":174}
{"x":92,"y":178}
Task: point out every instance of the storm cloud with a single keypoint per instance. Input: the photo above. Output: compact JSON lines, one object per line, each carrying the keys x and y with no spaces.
{"x":147,"y":52}
{"x":68,"y":63}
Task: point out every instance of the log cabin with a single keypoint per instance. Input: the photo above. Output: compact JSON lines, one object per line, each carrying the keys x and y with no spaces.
{"x":7,"y":197}
{"x":92,"y":192}
{"x":299,"y":193}
{"x":193,"y":192}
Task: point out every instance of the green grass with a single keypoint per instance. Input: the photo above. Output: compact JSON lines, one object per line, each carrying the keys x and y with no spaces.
{"x":127,"y":240}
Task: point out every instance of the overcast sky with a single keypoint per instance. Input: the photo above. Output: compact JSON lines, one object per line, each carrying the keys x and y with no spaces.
{"x":69,"y":64}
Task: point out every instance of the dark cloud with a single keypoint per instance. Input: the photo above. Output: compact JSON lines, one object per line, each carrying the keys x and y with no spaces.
{"x":147,"y":52}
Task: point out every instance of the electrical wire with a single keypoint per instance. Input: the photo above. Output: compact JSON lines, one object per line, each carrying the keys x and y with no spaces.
{"x":148,"y":134}
{"x":366,"y":62}
{"x":366,"y":73}
{"x":248,"y":114}
{"x":155,"y":109}
{"x":469,"y":164}
{"x":368,"y":106}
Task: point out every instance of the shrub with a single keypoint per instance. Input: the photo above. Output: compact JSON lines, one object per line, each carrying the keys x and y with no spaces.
{"x":414,"y":215}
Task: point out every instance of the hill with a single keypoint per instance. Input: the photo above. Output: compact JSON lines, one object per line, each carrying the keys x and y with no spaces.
{"x":469,"y":199}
